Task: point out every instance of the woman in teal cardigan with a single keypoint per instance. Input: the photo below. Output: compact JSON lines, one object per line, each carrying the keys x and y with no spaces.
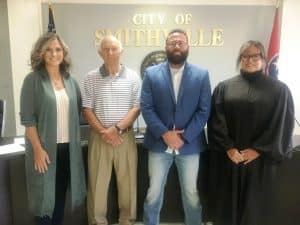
{"x":50,"y":108}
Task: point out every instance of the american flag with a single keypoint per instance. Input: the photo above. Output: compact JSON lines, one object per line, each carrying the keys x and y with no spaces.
{"x":51,"y":24}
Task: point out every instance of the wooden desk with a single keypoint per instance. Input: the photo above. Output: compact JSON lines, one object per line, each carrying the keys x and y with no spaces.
{"x":5,"y":203}
{"x":13,"y":197}
{"x":15,"y":191}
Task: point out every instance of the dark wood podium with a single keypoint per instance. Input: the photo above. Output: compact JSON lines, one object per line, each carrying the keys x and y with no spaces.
{"x":17,"y":213}
{"x":13,"y":197}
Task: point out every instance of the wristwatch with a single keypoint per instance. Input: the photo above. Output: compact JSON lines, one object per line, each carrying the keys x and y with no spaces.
{"x":119,"y":129}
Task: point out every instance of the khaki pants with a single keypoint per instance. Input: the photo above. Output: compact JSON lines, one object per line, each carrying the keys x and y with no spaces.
{"x":102,"y":157}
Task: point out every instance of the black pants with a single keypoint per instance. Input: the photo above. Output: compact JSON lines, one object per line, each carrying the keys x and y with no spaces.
{"x":61,"y":186}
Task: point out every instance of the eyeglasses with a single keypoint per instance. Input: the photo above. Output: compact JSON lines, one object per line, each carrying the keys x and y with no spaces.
{"x":173,"y":44}
{"x":254,"y":57}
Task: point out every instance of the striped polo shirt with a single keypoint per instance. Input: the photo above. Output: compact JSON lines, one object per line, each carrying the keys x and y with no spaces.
{"x":111,"y":96}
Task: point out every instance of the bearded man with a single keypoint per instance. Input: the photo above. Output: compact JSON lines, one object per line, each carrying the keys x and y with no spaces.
{"x":175,"y":104}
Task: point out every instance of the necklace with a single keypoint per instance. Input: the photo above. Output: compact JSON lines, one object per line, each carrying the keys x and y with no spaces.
{"x":57,"y":82}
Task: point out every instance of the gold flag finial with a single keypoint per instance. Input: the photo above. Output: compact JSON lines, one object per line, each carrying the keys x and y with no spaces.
{"x":277,"y":3}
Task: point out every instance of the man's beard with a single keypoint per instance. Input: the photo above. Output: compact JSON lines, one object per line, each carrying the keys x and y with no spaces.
{"x":177,"y":59}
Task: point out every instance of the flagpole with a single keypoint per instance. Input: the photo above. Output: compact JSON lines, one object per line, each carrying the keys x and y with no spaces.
{"x":51,"y":24}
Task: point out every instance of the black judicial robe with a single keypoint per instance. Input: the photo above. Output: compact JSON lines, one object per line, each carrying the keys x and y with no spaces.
{"x":255,"y":111}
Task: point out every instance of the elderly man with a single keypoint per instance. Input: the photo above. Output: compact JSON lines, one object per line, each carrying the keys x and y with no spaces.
{"x":175,"y":103}
{"x":111,"y":104}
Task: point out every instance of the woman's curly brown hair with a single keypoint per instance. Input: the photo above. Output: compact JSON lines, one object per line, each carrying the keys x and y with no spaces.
{"x":37,"y":54}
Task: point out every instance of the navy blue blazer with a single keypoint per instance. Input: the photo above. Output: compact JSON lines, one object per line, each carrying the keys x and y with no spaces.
{"x":161,"y":112}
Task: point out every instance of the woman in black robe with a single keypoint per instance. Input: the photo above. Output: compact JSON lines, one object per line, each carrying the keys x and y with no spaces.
{"x":249,"y":131}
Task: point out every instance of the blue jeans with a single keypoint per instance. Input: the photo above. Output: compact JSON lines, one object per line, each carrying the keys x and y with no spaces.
{"x":158,"y":168}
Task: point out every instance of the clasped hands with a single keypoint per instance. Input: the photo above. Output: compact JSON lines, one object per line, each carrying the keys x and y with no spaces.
{"x":173,"y":139}
{"x":41,"y":157}
{"x":245,"y":156}
{"x":111,"y":136}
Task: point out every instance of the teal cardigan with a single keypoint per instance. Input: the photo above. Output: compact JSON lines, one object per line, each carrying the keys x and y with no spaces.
{"x":38,"y":108}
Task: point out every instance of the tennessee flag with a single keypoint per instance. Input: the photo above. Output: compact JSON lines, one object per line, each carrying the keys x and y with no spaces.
{"x":51,"y":24}
{"x":273,"y":51}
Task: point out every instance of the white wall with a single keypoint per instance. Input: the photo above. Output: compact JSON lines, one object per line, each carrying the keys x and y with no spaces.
{"x":24,"y":21}
{"x":289,"y":52}
{"x":5,"y":72}
{"x":173,"y":2}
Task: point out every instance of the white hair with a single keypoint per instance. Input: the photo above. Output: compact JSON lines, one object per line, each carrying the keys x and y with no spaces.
{"x":112,"y":37}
